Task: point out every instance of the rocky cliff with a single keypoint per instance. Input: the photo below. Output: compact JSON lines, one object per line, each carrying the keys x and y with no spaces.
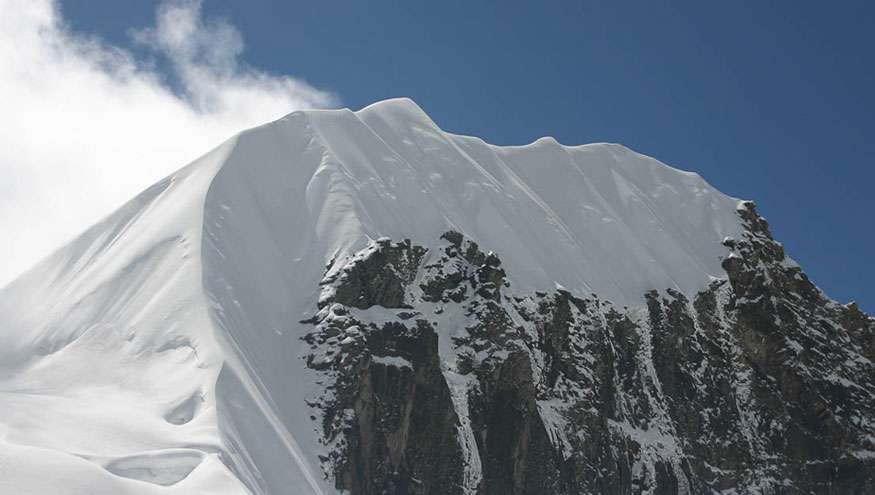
{"x":440,"y":378}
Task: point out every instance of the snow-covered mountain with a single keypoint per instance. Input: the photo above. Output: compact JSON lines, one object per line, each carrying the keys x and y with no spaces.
{"x":361,"y":302}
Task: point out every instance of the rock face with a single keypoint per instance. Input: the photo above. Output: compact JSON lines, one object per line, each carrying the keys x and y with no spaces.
{"x":439,"y":378}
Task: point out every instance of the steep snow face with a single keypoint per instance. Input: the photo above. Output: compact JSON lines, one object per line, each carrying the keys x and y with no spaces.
{"x":108,"y":356}
{"x":160,"y":350}
{"x":595,"y":218}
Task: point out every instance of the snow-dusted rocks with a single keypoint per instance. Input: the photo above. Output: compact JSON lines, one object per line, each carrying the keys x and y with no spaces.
{"x":553,"y":393}
{"x":315,"y":306}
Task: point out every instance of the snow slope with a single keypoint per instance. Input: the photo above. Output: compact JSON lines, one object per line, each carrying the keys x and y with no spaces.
{"x":159,"y":352}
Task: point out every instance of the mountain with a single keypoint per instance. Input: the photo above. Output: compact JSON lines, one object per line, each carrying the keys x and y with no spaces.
{"x":360,"y":302}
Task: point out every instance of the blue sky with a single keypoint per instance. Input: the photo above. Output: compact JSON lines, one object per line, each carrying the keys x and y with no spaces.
{"x":771,"y":101}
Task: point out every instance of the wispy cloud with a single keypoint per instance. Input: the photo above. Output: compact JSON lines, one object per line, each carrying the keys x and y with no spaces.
{"x":86,"y":125}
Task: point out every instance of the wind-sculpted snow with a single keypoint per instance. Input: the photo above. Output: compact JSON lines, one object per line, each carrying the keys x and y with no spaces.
{"x":102,"y":344}
{"x":190,"y":342}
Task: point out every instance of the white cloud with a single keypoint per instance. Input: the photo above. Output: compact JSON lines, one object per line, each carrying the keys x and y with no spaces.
{"x":84,"y":126}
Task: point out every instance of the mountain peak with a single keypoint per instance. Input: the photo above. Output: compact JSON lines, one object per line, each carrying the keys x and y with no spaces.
{"x":626,"y":223}
{"x":398,"y":104}
{"x":210,"y":312}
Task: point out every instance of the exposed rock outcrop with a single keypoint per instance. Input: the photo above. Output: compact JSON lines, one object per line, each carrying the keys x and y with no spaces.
{"x":440,"y":379}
